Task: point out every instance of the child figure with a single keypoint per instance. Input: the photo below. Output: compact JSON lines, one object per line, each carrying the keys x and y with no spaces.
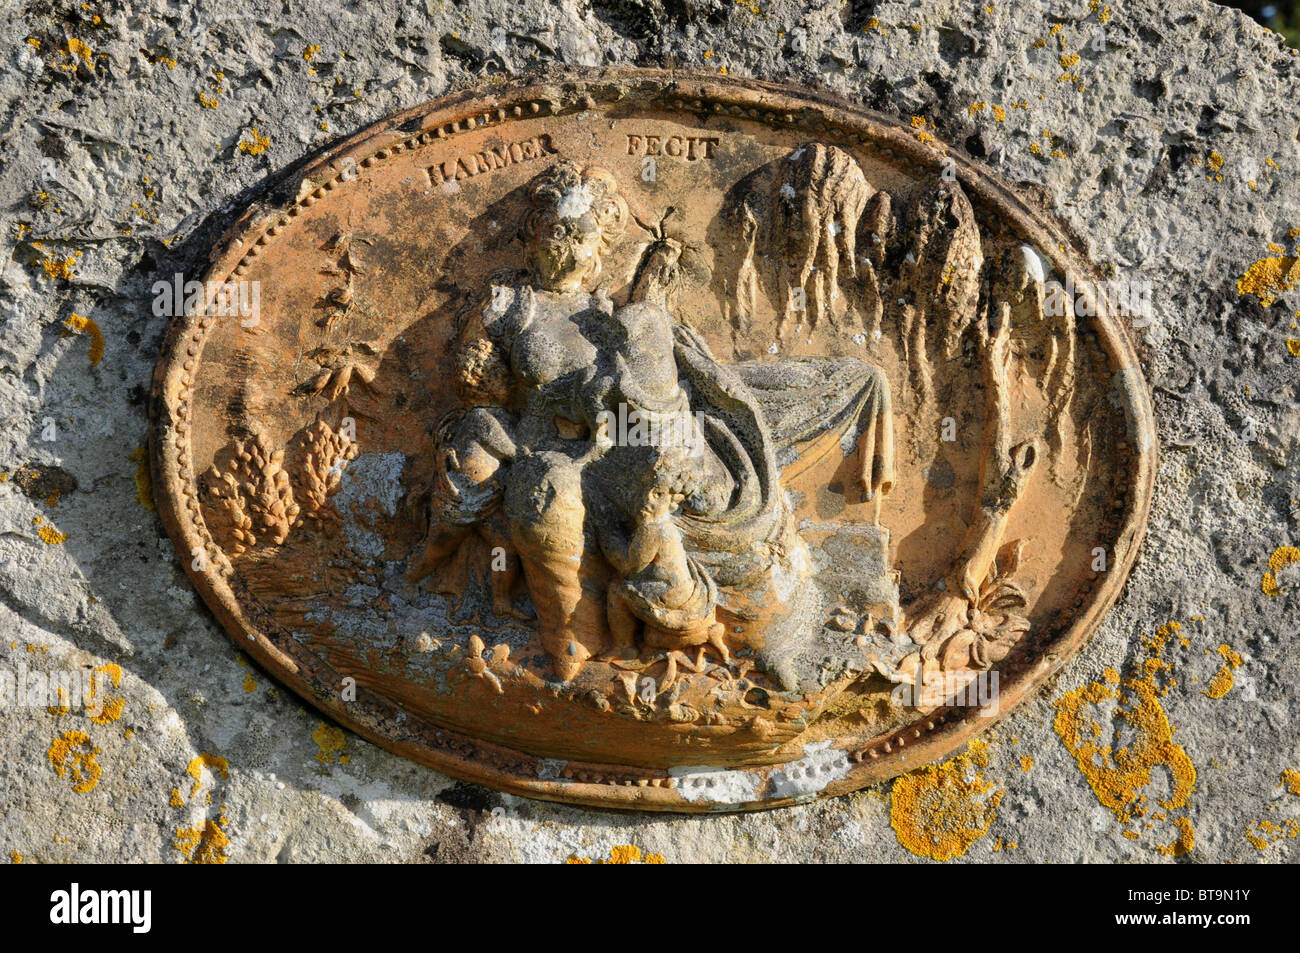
{"x":660,"y":584}
{"x":473,"y":452}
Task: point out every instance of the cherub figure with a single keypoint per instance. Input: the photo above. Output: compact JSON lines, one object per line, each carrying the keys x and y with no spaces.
{"x":473,"y":453}
{"x":661,"y":585}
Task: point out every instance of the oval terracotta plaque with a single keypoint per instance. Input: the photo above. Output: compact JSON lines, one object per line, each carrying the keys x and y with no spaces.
{"x":653,"y":441}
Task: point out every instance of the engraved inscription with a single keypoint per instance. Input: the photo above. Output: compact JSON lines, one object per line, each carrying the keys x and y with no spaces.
{"x":686,"y":148}
{"x":490,"y":159}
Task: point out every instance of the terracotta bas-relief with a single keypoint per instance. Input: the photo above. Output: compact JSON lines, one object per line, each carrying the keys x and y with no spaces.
{"x":651,"y":441}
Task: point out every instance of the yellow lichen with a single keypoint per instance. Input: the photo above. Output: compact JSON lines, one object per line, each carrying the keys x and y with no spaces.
{"x":623,"y":854}
{"x":1068,"y":60}
{"x":81,"y":49}
{"x":208,"y":102}
{"x":1183,"y":843}
{"x":143,"y":479}
{"x":60,"y":267}
{"x":1268,"y":278}
{"x":1265,"y":832}
{"x":176,"y":799}
{"x":1221,"y":683}
{"x":15,"y":857}
{"x":330,"y":740}
{"x":214,"y":763}
{"x":258,"y":145}
{"x":1118,"y":777}
{"x":250,"y":684}
{"x":1282,"y":557}
{"x":77,"y":322}
{"x":73,"y":754}
{"x":1291,"y":778}
{"x":205,"y":845}
{"x":111,"y":708}
{"x":999,"y":114}
{"x":1026,"y":762}
{"x":51,"y":536}
{"x":940,"y":810}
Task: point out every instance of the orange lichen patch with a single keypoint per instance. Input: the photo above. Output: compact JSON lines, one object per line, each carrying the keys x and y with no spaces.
{"x":1293,"y":345}
{"x":922,"y":134}
{"x":205,"y":845}
{"x":330,"y":740}
{"x":250,"y":684}
{"x":1118,"y":778}
{"x":1291,"y":779}
{"x":72,"y":754}
{"x":1026,"y":762}
{"x":1155,"y":644}
{"x":625,"y":854}
{"x":257,"y":145}
{"x":310,"y":51}
{"x":208,"y":102}
{"x":143,"y":480}
{"x":214,"y":763}
{"x":1282,"y":557}
{"x":176,"y":799}
{"x":15,"y":857}
{"x":1265,"y":832}
{"x":1221,"y":683}
{"x":59,"y":267}
{"x":976,"y":107}
{"x":81,"y":50}
{"x":1268,"y":278}
{"x":999,"y":114}
{"x":77,"y":322}
{"x":940,"y":810}
{"x":111,"y":708}
{"x":51,"y":536}
{"x":1068,"y":60}
{"x":1183,"y":843}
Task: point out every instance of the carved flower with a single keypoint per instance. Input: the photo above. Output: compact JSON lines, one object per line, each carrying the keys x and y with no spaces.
{"x":994,"y":624}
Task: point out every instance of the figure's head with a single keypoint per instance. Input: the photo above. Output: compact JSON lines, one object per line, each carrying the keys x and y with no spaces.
{"x":671,"y":479}
{"x":574,"y":216}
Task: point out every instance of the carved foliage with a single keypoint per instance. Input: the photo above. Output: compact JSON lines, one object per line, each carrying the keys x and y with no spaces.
{"x":325,"y":454}
{"x":252,"y":494}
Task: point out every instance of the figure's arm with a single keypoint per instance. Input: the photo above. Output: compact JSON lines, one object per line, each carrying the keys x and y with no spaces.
{"x":644,"y":546}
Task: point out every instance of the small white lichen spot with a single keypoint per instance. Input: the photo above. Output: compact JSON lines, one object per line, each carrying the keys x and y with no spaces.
{"x":575,"y":203}
{"x":773,"y":349}
{"x":1033,"y":263}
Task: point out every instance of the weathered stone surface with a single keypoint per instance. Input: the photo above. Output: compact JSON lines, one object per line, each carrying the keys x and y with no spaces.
{"x":1170,"y":146}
